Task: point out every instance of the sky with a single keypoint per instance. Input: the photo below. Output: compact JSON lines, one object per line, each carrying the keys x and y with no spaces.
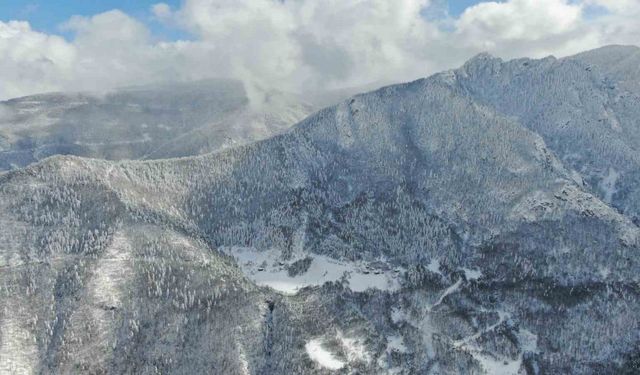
{"x":47,"y":16}
{"x":292,"y":45}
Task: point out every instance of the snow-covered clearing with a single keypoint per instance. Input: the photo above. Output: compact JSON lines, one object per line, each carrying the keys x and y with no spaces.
{"x":322,"y":356}
{"x":496,"y":366}
{"x":267,"y":268}
{"x":350,"y":349}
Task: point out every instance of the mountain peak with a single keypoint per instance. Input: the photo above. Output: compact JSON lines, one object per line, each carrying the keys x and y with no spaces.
{"x":482,"y":57}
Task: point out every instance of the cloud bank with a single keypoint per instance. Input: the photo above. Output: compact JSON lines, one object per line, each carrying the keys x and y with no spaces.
{"x":301,"y":45}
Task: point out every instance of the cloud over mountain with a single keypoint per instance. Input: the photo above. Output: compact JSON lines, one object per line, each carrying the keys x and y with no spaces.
{"x":305,"y":45}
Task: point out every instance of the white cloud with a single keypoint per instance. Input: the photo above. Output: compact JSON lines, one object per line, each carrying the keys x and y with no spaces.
{"x":526,"y":27}
{"x":301,"y":45}
{"x":31,"y":61}
{"x":522,"y":20}
{"x":312,"y":43}
{"x":113,"y":49}
{"x":161,"y":10}
{"x":620,"y":25}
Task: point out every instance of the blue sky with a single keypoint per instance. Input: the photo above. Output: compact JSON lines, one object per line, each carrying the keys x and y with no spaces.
{"x":47,"y":15}
{"x":456,"y":7}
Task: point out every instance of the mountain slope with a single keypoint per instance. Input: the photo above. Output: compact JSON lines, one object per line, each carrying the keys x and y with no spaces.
{"x":155,"y":121}
{"x":585,"y":115}
{"x":414,"y":229}
{"x":619,"y":63}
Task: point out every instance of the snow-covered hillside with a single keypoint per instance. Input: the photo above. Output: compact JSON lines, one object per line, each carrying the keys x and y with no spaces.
{"x":440,"y":226}
{"x":585,"y":107}
{"x":149,"y":122}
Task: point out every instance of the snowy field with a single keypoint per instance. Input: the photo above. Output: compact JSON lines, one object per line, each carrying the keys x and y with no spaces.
{"x":266,"y":268}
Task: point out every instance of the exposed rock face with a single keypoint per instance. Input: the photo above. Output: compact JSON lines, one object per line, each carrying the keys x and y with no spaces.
{"x":487,"y":247}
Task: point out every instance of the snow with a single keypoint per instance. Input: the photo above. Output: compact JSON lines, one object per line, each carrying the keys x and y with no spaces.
{"x":321,"y":356}
{"x":434,"y":266}
{"x":452,"y":289}
{"x":584,"y":202}
{"x":18,"y":349}
{"x":528,"y":341}
{"x":242,"y":357}
{"x":496,"y":366}
{"x":354,"y":348}
{"x":145,"y":138}
{"x":613,"y":121}
{"x":472,"y":274}
{"x":266,"y":268}
{"x":107,"y":284}
{"x":398,"y":315}
{"x":502,"y":316}
{"x":604,"y":271}
{"x":396,"y":343}
{"x":492,"y":364}
{"x":427,"y":329}
{"x":608,"y":185}
{"x":533,"y":207}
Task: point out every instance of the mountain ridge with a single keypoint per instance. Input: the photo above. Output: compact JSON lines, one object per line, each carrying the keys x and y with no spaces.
{"x":507,"y":256}
{"x":138,"y":122}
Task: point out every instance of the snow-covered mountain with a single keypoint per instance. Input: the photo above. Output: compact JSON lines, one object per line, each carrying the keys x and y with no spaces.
{"x":585,"y":107}
{"x":620,"y":64}
{"x":155,"y":121}
{"x":441,"y":226}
